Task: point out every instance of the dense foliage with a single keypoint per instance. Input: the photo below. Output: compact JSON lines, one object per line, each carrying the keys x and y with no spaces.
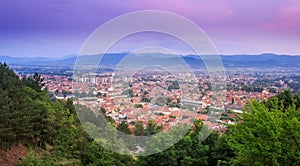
{"x":268,"y":132}
{"x":50,"y":129}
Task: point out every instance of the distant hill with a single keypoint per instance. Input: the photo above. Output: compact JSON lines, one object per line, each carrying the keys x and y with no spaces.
{"x":253,"y":61}
{"x":261,"y":61}
{"x":229,"y":61}
{"x":23,"y":60}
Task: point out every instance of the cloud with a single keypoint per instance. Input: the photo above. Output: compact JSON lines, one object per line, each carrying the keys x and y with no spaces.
{"x":197,"y":10}
{"x":233,"y":25}
{"x":286,"y":19}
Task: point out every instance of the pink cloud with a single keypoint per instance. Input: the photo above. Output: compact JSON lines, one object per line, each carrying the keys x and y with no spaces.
{"x":198,"y":10}
{"x":286,"y":19}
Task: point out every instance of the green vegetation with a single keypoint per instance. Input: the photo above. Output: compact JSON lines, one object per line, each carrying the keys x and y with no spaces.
{"x":151,"y":128}
{"x":173,"y":104}
{"x":188,"y":151}
{"x":123,"y":127}
{"x":138,"y":105}
{"x":145,"y":100}
{"x":50,"y":130}
{"x":173,"y":85}
{"x":268,"y":132}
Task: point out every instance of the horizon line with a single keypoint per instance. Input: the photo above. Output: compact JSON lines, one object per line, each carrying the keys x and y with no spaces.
{"x":74,"y":55}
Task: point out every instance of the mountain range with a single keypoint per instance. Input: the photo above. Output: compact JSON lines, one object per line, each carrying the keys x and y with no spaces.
{"x":266,"y":60}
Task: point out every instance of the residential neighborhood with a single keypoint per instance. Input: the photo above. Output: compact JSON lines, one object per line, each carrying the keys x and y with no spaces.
{"x":160,"y":97}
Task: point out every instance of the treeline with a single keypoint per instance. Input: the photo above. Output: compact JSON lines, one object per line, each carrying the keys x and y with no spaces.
{"x":268,"y":132}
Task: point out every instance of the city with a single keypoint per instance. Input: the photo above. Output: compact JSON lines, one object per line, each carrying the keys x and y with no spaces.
{"x":156,"y":95}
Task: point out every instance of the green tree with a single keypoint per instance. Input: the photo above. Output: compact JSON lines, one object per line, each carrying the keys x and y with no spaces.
{"x":138,"y":106}
{"x":35,"y":82}
{"x":95,"y":154}
{"x":146,"y":100}
{"x":152,"y":128}
{"x":220,"y":152}
{"x":139,"y":129}
{"x":123,"y":127}
{"x":187,"y":151}
{"x":270,"y":136}
{"x":285,"y":100}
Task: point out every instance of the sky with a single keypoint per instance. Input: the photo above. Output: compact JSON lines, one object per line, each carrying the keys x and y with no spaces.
{"x":57,"y":28}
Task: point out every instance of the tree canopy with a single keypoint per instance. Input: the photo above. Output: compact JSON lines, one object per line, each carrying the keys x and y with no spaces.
{"x":269,"y":133}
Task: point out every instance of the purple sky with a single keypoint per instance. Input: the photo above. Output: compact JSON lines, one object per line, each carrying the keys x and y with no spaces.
{"x":58,"y":28}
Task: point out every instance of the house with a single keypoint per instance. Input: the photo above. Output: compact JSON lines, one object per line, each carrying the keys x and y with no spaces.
{"x":122,"y":115}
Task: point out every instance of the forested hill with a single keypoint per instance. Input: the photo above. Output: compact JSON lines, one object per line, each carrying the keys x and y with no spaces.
{"x":50,"y":133}
{"x":28,"y":117}
{"x":49,"y":129}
